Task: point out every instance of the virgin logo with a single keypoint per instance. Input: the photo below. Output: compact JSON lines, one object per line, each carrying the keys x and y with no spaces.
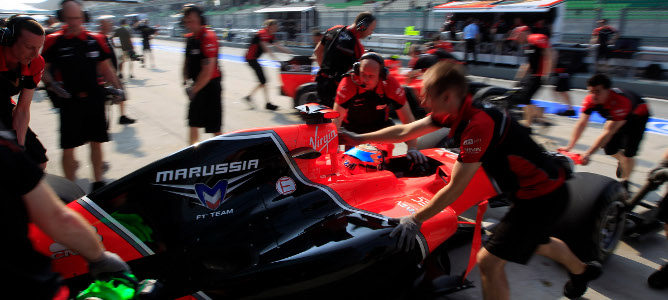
{"x":321,"y":142}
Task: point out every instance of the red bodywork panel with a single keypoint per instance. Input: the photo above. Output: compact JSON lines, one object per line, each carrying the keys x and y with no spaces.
{"x":292,"y":81}
{"x":69,"y":263}
{"x":382,"y":192}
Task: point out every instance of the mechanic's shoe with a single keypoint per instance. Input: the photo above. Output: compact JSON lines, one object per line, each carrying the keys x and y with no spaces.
{"x":105,"y":167}
{"x":577,"y":286}
{"x":120,"y":75}
{"x":123,"y":120}
{"x":132,"y":76}
{"x":249,"y":101}
{"x":618,"y":172}
{"x":566,"y":113}
{"x":659,"y":279}
{"x":270,"y":106}
{"x":96,"y":185}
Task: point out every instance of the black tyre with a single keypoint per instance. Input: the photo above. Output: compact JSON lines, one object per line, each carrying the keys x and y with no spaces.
{"x":66,"y":190}
{"x":306,"y":93}
{"x":594,"y":220}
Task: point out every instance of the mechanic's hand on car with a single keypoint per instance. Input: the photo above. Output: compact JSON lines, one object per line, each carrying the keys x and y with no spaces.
{"x":108,"y":264}
{"x":58,"y":89}
{"x":416,"y":156}
{"x":407,"y":230}
{"x":349,"y":138}
{"x":565,"y":149}
{"x":585,"y":158}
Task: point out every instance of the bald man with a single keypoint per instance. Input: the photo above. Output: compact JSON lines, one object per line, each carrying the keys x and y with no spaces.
{"x":366,"y":95}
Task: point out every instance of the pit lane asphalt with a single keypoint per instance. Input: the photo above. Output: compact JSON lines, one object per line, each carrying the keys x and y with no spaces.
{"x":158,"y":102}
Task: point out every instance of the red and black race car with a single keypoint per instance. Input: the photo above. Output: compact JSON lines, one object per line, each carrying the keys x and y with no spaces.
{"x":271,"y":212}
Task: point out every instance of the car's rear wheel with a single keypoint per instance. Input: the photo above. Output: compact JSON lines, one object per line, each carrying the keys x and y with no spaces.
{"x":594,"y":221}
{"x":306,"y":93}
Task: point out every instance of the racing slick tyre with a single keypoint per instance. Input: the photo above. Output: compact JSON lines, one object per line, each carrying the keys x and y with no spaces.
{"x":492,"y":96}
{"x":594,"y":220}
{"x":306,"y":93}
{"x":66,"y":190}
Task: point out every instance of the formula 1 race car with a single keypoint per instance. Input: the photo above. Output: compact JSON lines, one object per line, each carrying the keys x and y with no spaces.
{"x":280,"y":211}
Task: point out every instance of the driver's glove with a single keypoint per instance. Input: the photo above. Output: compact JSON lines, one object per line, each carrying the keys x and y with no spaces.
{"x":407,"y":230}
{"x":109,"y":264}
{"x":416,"y":156}
{"x":58,"y":89}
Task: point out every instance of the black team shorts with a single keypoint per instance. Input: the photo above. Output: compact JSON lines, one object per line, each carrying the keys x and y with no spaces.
{"x":206,"y":109}
{"x":82,"y":120}
{"x":529,"y":87}
{"x":628,"y":137}
{"x":34,"y":148}
{"x":527,"y":225}
{"x":258,"y":70}
{"x":563,"y":82}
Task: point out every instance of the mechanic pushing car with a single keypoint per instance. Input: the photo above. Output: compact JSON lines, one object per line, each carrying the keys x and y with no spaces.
{"x":531,"y":178}
{"x":28,"y":198}
{"x":260,"y":44}
{"x":78,"y":57}
{"x":365,"y":97}
{"x":626,"y":114}
{"x":21,"y":69}
{"x":336,"y":53}
{"x":201,"y":66}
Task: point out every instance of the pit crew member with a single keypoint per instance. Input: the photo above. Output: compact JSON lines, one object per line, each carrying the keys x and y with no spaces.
{"x":21,"y":69}
{"x":260,"y":44}
{"x":201,"y":66}
{"x":106,"y":27}
{"x":532,"y":180}
{"x":77,"y":58}
{"x":365,"y":97}
{"x":604,"y":36}
{"x":27,"y":198}
{"x":533,"y":73}
{"x":339,"y":48}
{"x":626,"y":114}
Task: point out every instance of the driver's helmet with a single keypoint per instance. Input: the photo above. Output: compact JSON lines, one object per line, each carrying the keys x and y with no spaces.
{"x":363,"y":158}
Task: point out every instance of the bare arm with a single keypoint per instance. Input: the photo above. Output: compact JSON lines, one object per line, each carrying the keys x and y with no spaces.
{"x":283,"y":48}
{"x":105,"y":69}
{"x":577,"y":131}
{"x":462,"y":173}
{"x":609,"y":129}
{"x":521,"y":71}
{"x":342,"y":114}
{"x":21,"y":115}
{"x":267,"y":49}
{"x":46,"y":75}
{"x":208,"y":64}
{"x":406,"y":117}
{"x":547,"y":63}
{"x":318,"y":52}
{"x":64,"y":225}
{"x":400,"y":133}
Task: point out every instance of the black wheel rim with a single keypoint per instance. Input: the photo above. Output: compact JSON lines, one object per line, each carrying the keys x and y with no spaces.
{"x":611,"y":227}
